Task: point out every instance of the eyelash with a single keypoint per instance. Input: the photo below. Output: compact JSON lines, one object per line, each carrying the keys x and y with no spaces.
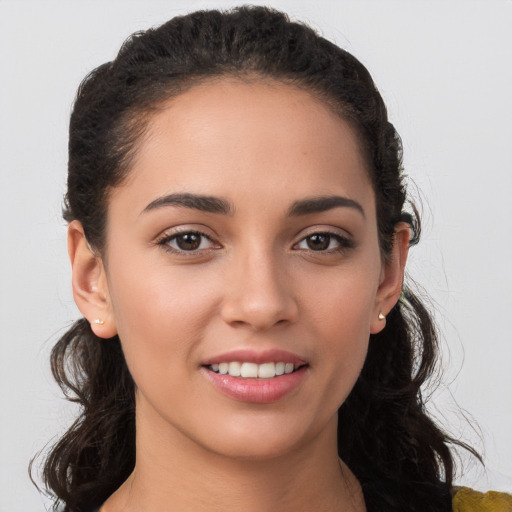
{"x":344,"y":243}
{"x":166,"y":239}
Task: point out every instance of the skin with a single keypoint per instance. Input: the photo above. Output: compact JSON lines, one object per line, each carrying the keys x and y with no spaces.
{"x":254,"y":283}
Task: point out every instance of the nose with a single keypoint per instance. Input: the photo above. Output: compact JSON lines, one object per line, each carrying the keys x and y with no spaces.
{"x":259,"y":294}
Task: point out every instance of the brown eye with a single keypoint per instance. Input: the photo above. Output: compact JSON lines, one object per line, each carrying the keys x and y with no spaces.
{"x":318,"y":242}
{"x":188,"y":241}
{"x":325,"y":242}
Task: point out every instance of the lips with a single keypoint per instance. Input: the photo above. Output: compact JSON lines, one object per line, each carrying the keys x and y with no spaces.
{"x":256,"y":377}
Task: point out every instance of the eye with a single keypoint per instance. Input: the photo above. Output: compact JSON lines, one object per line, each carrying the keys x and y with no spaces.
{"x":187,"y":241}
{"x":324,"y":242}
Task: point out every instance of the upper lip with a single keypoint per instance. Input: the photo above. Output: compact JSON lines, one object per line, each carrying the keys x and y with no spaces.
{"x":258,"y":357}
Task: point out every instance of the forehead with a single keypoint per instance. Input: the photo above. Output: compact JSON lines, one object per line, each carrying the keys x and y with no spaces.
{"x":248,"y":138}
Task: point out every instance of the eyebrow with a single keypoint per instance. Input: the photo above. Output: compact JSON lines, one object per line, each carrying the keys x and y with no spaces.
{"x":212,"y":204}
{"x":322,"y":204}
{"x":208,"y":204}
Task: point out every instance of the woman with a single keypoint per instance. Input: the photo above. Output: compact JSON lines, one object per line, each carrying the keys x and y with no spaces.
{"x":238,"y":242}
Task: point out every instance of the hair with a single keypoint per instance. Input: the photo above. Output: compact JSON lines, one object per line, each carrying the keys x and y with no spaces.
{"x":385,"y":436}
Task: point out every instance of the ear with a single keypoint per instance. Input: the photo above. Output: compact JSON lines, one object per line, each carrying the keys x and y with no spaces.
{"x":391,"y":278}
{"x":90,"y":288}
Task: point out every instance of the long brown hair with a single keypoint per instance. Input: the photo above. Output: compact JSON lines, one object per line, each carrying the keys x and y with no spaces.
{"x":399,"y":455}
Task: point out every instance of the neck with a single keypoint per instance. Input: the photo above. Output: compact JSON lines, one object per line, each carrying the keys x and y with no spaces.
{"x":173,"y":473}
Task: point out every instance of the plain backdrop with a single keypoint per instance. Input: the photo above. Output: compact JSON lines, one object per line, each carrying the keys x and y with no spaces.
{"x":444,"y":69}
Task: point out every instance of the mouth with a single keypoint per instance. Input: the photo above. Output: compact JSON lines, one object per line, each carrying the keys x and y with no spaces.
{"x":260,"y":377}
{"x":249,"y":370}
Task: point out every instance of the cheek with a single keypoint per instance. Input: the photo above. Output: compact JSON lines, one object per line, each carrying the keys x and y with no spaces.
{"x":345,"y":328}
{"x":340,"y":313}
{"x":161,"y":323}
{"x":160,"y":316}
{"x":342,"y":301}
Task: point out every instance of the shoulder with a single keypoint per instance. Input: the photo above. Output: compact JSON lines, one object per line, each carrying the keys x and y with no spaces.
{"x":468,"y":500}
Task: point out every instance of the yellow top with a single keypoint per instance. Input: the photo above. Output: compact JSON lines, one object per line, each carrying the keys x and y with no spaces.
{"x":468,"y":500}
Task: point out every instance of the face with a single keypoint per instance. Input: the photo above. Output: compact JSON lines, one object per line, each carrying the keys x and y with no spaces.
{"x":244,"y":240}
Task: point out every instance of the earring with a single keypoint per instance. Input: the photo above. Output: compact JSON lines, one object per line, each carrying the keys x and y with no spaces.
{"x":381,"y":316}
{"x":98,"y":321}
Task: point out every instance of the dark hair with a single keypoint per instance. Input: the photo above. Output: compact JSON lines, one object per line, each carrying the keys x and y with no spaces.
{"x":399,"y":455}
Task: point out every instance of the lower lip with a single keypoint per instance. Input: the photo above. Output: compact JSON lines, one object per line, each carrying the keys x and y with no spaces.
{"x":257,"y":391}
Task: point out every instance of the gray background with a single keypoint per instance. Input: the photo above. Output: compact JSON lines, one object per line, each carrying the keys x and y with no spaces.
{"x":444,"y":69}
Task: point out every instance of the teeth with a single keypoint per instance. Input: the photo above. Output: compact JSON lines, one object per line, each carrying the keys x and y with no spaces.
{"x":253,"y":370}
{"x":249,"y":370}
{"x":234,"y":369}
{"x":267,"y":370}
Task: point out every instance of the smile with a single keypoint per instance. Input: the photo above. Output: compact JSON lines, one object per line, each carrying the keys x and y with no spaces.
{"x":255,"y":376}
{"x":247,"y":370}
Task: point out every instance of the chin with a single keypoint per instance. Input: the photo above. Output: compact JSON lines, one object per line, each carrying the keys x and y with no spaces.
{"x":253,"y":449}
{"x":263,"y":438}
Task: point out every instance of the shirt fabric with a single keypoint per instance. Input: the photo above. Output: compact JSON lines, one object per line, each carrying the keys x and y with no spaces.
{"x":468,"y":500}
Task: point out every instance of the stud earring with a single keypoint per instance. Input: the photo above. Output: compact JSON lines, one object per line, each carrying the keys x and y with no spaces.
{"x":381,"y":316}
{"x":98,"y":321}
